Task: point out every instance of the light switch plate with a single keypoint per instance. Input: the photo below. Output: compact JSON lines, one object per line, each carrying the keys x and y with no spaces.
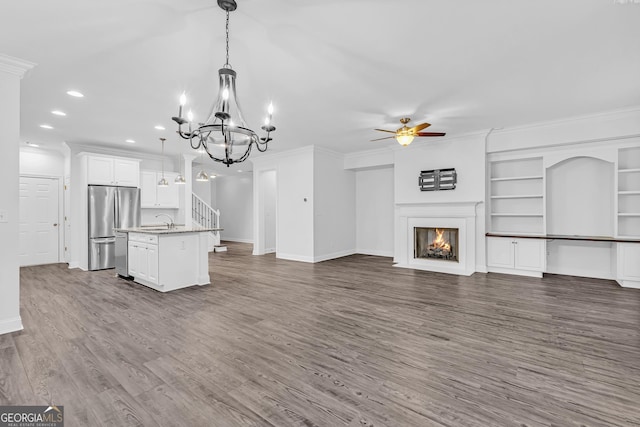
{"x":3,"y":216}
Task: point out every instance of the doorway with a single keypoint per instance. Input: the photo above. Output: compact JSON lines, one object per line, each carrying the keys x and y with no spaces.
{"x":39,"y":221}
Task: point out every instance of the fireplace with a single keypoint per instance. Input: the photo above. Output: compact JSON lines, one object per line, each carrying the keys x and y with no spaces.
{"x":412,"y":252}
{"x":435,"y":243}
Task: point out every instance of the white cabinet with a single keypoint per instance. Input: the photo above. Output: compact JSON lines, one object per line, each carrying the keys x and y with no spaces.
{"x":104,"y":170}
{"x":152,"y":196}
{"x":143,"y":258}
{"x":525,"y":257}
{"x":629,"y":265}
{"x":169,"y":261}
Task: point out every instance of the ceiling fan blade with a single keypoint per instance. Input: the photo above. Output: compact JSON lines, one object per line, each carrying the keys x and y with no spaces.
{"x":419,"y":127}
{"x":384,"y":130}
{"x":380,"y":139}
{"x":430,"y":134}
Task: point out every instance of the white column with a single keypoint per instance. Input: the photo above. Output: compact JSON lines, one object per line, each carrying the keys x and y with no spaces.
{"x":188,"y":187}
{"x":11,"y":71}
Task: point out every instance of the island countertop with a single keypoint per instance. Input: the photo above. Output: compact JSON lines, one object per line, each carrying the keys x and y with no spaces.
{"x":163,"y":229}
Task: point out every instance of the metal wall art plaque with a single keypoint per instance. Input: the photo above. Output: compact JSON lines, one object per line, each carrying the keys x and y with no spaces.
{"x":438,"y":179}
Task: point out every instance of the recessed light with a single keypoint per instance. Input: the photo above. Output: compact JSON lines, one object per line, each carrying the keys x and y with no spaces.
{"x":239,"y":170}
{"x":46,"y":127}
{"x":130,"y":141}
{"x":58,"y":113}
{"x":75,"y":94}
{"x":159,"y":127}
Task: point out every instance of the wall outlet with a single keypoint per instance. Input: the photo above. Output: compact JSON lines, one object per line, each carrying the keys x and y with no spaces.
{"x":4,"y":216}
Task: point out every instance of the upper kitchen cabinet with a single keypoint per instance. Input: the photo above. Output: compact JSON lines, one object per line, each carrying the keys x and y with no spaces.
{"x":152,"y":196}
{"x":106,"y":170}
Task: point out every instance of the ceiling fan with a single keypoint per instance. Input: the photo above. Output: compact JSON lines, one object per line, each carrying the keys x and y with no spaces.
{"x":405,"y":134}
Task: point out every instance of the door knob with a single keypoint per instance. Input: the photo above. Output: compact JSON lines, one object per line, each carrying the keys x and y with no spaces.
{"x":55,"y":225}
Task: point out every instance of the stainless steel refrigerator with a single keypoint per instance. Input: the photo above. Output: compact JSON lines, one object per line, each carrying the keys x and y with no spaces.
{"x":109,"y":208}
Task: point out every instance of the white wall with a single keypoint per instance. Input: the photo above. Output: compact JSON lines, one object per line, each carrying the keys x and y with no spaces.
{"x":269,"y":194}
{"x":334,"y":206}
{"x":295,"y":207}
{"x":11,"y":71}
{"x":235,"y":202}
{"x":36,"y":161}
{"x":466,"y":154}
{"x":294,"y":181}
{"x":374,"y":211}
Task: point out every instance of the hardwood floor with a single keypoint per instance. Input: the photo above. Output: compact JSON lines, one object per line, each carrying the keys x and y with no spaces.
{"x":351,"y":342}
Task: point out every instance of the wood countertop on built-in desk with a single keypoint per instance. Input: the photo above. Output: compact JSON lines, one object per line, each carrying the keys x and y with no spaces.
{"x":566,"y":237}
{"x":163,"y":229}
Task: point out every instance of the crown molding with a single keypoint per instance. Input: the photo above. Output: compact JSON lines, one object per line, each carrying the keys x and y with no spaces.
{"x":572,"y":119}
{"x":15,"y":66}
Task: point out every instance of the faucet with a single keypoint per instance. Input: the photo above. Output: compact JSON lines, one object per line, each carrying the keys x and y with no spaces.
{"x":169,"y":224}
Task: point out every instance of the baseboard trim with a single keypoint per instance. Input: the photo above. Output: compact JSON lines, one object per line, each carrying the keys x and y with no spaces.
{"x":291,"y":257}
{"x":481,"y":269}
{"x":233,"y":239}
{"x":11,"y":325}
{"x":375,"y":252}
{"x":630,"y":284}
{"x":334,"y":255}
{"x":512,"y":271}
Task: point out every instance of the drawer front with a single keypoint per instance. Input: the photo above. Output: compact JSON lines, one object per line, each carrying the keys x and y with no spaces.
{"x":143,"y":238}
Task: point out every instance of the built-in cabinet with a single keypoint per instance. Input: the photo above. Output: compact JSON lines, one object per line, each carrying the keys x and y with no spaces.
{"x":107,"y":170}
{"x":153,"y":196}
{"x":629,"y":264}
{"x":516,"y":256}
{"x":585,"y":194}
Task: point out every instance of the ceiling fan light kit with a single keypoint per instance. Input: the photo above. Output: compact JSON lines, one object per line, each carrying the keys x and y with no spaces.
{"x":224,"y":136}
{"x":405,"y":135}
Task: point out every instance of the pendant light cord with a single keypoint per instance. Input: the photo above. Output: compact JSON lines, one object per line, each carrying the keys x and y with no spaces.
{"x":227,"y":63}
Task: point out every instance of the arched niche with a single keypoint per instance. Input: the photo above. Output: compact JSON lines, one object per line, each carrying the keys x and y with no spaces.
{"x":580,"y":197}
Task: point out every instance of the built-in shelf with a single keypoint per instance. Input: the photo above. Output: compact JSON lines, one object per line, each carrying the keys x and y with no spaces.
{"x":516,"y":195}
{"x":629,"y":192}
{"x":517,"y":178}
{"x":523,"y":196}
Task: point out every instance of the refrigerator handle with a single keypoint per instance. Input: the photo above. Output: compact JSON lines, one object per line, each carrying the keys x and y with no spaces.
{"x":116,"y":213}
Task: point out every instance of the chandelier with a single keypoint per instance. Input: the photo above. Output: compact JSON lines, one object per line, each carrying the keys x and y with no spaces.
{"x":224,"y":136}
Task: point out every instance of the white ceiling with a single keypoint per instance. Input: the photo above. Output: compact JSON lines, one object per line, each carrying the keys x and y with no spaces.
{"x":335,"y":69}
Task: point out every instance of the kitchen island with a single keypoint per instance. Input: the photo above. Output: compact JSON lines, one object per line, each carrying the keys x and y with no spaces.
{"x":168,"y":258}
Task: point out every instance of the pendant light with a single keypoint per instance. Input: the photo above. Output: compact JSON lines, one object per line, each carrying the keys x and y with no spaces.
{"x":180,"y":178}
{"x":202,"y":176}
{"x":163,"y":182}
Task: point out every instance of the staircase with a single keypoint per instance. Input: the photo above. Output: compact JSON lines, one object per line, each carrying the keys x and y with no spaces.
{"x":205,"y":216}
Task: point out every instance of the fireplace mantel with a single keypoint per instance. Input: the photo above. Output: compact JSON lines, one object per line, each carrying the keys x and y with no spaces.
{"x":460,"y":215}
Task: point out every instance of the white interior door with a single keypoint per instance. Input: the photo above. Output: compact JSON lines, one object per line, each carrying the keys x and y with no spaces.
{"x":39,"y":222}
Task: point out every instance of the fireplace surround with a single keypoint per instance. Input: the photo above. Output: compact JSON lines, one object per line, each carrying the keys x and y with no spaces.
{"x":457,"y":215}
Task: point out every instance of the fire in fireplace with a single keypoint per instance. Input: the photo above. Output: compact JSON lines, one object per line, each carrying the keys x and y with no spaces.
{"x":435,"y":243}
